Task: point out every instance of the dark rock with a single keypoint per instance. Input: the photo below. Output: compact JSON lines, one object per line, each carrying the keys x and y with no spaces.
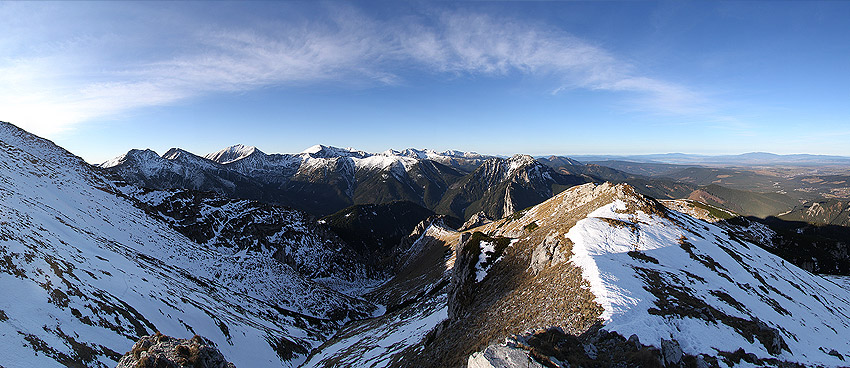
{"x":671,"y":352}
{"x":462,"y":283}
{"x":770,"y":338}
{"x":634,"y":340}
{"x":591,"y":351}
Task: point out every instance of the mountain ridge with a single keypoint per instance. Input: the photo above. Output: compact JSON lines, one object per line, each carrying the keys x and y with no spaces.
{"x":85,"y":273}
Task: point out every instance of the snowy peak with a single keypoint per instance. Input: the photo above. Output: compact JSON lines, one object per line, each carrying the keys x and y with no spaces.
{"x":462,"y":154}
{"x":188,"y":159}
{"x":321,"y":151}
{"x":134,"y":155}
{"x":519,"y":162}
{"x":176,"y":154}
{"x":232,"y":153}
{"x":437,"y":156}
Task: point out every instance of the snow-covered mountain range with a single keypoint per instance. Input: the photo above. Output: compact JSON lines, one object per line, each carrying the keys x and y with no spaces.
{"x":323,"y":180}
{"x":587,"y":274}
{"x":86,"y":271}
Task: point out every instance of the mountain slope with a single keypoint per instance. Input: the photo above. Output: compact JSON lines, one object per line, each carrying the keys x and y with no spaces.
{"x":601,"y":275}
{"x":375,"y":229}
{"x":320,"y":180}
{"x":826,"y":212}
{"x":744,"y":202}
{"x":85,"y":273}
{"x":415,"y":300}
{"x":500,"y":187}
{"x":232,"y":225}
{"x":662,"y":275}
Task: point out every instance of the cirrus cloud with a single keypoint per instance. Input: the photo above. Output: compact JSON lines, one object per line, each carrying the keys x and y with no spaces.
{"x":55,"y":84}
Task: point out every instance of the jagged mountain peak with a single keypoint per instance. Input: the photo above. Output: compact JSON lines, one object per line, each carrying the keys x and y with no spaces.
{"x":322,"y":151}
{"x":138,"y":155}
{"x":463,"y":154}
{"x":233,"y":153}
{"x":175,"y":153}
{"x":500,"y":169}
{"x":186,"y":158}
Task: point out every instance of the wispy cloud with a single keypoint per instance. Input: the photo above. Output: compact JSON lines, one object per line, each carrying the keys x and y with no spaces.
{"x":62,"y":83}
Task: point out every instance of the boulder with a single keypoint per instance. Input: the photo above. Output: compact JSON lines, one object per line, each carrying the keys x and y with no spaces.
{"x":161,"y":351}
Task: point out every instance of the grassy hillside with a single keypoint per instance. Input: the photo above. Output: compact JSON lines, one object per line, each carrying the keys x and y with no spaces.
{"x":744,"y":202}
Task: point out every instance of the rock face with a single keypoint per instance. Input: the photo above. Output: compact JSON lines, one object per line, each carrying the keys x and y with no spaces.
{"x":163,"y":351}
{"x":478,"y":219}
{"x":499,"y":356}
{"x":500,"y":187}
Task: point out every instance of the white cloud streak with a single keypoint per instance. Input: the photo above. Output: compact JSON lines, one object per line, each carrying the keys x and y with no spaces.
{"x":56,"y":87}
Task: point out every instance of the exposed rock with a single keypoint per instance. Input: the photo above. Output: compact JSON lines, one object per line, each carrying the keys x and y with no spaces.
{"x":406,"y":250}
{"x":671,"y":352}
{"x":549,"y":252}
{"x":462,"y":282}
{"x":771,"y":338}
{"x":478,"y":219}
{"x":634,"y":340}
{"x":501,"y":356}
{"x":590,"y":350}
{"x":834,"y":352}
{"x":161,"y":351}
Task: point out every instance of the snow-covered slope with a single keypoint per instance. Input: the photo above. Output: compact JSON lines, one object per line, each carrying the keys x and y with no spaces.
{"x":84,"y":273}
{"x":664,"y":276}
{"x":285,"y":234}
{"x":600,"y":275}
{"x":415,"y":302}
{"x":232,"y":153}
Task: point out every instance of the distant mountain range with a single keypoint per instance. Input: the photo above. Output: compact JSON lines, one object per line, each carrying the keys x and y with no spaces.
{"x":323,"y":180}
{"x":744,"y":159}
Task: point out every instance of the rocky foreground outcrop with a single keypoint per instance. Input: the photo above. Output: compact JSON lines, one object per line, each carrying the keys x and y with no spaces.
{"x":161,"y":351}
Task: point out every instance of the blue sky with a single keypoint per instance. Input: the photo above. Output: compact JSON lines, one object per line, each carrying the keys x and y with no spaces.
{"x":494,"y":77}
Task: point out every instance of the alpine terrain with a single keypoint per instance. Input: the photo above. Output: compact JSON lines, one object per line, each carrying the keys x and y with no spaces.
{"x":86,"y":270}
{"x":183,"y":259}
{"x":599,"y":275}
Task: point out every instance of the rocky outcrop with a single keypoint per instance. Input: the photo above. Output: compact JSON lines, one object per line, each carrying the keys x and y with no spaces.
{"x":552,"y":251}
{"x":461,"y":284}
{"x":502,"y":356}
{"x":161,"y":351}
{"x":478,"y":219}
